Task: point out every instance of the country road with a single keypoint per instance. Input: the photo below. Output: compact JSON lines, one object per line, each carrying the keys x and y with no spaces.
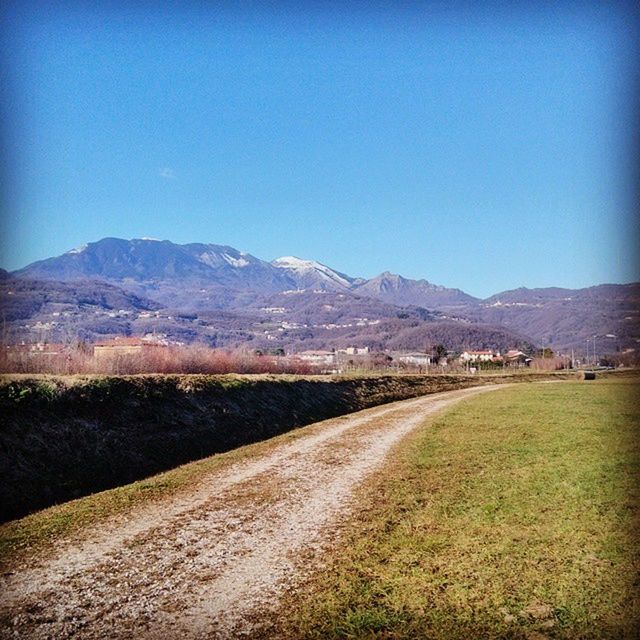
{"x":211,"y":563}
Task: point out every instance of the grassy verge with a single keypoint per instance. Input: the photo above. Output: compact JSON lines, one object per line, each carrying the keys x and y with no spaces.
{"x":515,"y":515}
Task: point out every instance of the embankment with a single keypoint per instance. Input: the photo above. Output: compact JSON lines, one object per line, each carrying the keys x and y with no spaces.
{"x":64,"y":437}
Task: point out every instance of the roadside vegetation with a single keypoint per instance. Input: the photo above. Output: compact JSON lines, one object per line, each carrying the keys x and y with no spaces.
{"x":132,"y":356}
{"x":514,"y":515}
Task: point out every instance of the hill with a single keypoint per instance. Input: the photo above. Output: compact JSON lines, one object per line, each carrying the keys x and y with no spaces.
{"x":88,"y":310}
{"x":395,"y":289}
{"x":567,"y":318}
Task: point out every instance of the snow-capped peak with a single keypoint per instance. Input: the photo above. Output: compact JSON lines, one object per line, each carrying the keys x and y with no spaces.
{"x":291,"y":262}
{"x":309,"y":267}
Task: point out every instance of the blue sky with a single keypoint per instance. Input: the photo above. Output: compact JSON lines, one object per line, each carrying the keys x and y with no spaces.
{"x":479,"y":148}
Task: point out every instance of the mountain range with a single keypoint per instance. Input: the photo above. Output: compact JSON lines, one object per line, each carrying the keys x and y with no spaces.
{"x":228,"y":297}
{"x":154,"y":265}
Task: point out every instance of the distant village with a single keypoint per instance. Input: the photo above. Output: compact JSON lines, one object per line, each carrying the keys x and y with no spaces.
{"x":415,"y":360}
{"x":106,"y":354}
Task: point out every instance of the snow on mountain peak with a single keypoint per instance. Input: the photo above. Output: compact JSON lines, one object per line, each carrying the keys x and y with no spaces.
{"x":310,"y":267}
{"x":215,"y":259}
{"x":235,"y":262}
{"x":80,"y":249}
{"x":291,"y":262}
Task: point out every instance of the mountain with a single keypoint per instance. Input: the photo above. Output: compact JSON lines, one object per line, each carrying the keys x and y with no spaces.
{"x":190,"y":274}
{"x":395,"y":289}
{"x":220,"y":295}
{"x":567,"y":318}
{"x":309,"y":274}
{"x":150,"y":261}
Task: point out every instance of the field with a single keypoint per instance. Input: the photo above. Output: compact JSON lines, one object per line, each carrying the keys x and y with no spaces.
{"x":514,"y":515}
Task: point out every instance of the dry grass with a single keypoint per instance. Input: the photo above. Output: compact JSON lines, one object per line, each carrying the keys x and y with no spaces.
{"x":515,"y":515}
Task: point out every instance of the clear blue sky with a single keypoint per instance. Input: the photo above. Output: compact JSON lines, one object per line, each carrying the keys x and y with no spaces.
{"x":479,"y":148}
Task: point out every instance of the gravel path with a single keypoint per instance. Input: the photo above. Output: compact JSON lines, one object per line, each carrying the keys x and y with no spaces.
{"x":211,"y":563}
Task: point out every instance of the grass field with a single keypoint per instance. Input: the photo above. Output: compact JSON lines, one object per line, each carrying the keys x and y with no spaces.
{"x":514,"y":515}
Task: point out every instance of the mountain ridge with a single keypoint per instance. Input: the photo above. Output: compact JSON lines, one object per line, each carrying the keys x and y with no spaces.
{"x":199,"y":278}
{"x":147,"y":260}
{"x":150,"y":259}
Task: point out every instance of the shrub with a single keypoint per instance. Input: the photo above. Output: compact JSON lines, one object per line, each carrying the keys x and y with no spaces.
{"x":78,"y":359}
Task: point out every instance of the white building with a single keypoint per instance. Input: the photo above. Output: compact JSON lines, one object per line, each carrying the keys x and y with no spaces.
{"x":477,"y":356}
{"x":413,"y":359}
{"x":355,"y":351}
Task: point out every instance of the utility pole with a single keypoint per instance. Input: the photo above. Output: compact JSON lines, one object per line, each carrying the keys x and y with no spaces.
{"x":595,"y":358}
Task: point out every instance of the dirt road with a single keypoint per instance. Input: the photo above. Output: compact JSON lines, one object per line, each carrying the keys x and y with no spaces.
{"x":211,"y":564}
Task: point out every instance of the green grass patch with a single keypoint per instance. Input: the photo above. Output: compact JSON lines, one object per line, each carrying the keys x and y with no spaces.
{"x":514,"y":515}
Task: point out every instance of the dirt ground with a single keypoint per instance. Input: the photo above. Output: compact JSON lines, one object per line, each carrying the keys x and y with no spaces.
{"x":213,"y":563}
